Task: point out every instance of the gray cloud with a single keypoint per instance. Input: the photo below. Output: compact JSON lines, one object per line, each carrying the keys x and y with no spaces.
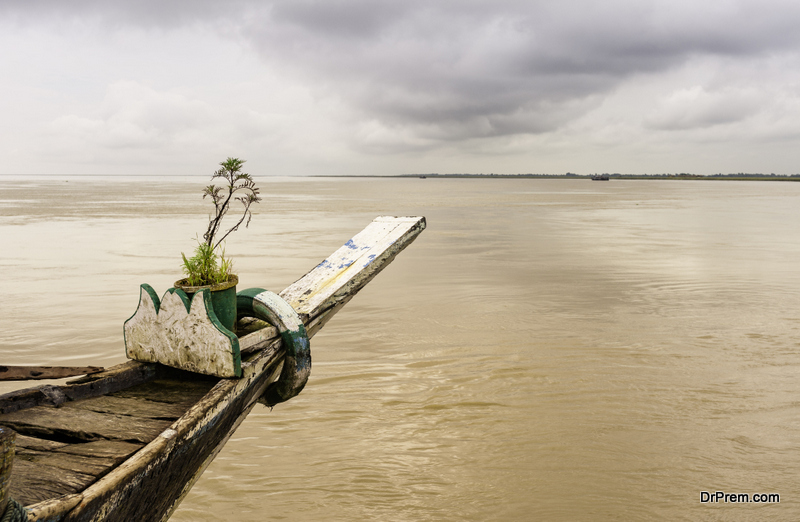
{"x":472,"y":69}
{"x":420,"y":74}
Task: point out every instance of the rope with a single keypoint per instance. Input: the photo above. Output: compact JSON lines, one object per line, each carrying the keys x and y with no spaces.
{"x":15,"y":512}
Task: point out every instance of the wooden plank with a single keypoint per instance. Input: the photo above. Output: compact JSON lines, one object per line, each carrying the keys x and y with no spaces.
{"x":22,"y":373}
{"x":52,"y":510}
{"x":100,"y":448}
{"x":115,"y":449}
{"x":163,"y":390}
{"x":25,"y":443}
{"x":126,"y":373}
{"x":117,"y":378}
{"x":135,"y":407}
{"x":88,"y":465}
{"x":73,"y":424}
{"x":255,"y":334}
{"x":33,"y":482}
{"x":353,"y":265}
{"x":170,"y":463}
{"x":29,"y":397}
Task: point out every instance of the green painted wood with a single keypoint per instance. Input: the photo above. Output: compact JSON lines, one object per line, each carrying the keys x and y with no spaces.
{"x":182,"y":333}
{"x":269,"y":306}
{"x":223,"y":299}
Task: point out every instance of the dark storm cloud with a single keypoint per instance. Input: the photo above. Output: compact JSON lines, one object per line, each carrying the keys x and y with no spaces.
{"x":454,"y":70}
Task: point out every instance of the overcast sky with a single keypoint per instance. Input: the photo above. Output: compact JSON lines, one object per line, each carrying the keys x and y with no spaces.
{"x":302,"y":87}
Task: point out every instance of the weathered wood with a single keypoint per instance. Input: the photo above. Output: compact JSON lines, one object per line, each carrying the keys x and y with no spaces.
{"x":115,"y":449}
{"x":73,"y":424}
{"x":168,"y":391}
{"x":53,"y":509}
{"x":22,"y":373}
{"x":255,"y":334}
{"x":110,"y":380}
{"x":187,"y":337}
{"x":22,"y":399}
{"x":135,"y":407}
{"x":128,"y":373}
{"x":297,"y":350}
{"x":88,"y":465}
{"x":316,"y":323}
{"x":168,"y":464}
{"x":6,"y":463}
{"x":150,"y":484}
{"x":37,"y":482}
{"x":194,"y":340}
{"x":25,"y":442}
{"x":353,"y":265}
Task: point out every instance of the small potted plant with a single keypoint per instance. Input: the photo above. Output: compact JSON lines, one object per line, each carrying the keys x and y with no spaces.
{"x":208,"y":267}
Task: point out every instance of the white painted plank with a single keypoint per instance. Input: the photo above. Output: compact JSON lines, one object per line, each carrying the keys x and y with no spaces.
{"x":353,"y":265}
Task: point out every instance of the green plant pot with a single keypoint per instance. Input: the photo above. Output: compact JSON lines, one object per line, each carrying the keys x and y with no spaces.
{"x":223,"y":299}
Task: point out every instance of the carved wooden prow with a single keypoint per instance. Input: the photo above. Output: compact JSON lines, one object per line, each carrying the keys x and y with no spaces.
{"x":187,"y":335}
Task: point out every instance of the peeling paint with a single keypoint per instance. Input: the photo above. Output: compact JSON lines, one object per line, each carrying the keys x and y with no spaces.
{"x":181,"y":333}
{"x":141,"y":480}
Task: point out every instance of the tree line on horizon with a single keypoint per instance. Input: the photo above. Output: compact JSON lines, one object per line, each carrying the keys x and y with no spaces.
{"x":613,"y":175}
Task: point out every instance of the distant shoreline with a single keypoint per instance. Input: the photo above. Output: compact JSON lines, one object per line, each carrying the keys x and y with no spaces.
{"x":569,"y":175}
{"x":728,"y":177}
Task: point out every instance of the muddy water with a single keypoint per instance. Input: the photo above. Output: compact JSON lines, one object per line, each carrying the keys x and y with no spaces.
{"x":547,"y":349}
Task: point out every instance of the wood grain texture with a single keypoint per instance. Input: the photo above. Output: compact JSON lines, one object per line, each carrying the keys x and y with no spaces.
{"x":53,"y":509}
{"x":353,"y":265}
{"x":7,"y":446}
{"x":36,"y":482}
{"x":135,"y":407}
{"x":101,"y":448}
{"x":164,"y":469}
{"x":85,"y":464}
{"x":183,"y":392}
{"x":115,"y":449}
{"x":167,"y":333}
{"x":24,"y":442}
{"x":22,"y":373}
{"x":150,"y":484}
{"x":73,"y":424}
{"x":113,"y":379}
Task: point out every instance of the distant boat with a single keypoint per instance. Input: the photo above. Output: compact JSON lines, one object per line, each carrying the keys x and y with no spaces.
{"x":423,"y":177}
{"x":603,"y":177}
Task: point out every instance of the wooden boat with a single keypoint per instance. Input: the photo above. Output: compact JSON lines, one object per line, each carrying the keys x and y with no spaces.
{"x":128,"y":443}
{"x":600,"y":177}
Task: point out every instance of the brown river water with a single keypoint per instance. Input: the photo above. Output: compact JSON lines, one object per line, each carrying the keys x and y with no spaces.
{"x":545,"y":350}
